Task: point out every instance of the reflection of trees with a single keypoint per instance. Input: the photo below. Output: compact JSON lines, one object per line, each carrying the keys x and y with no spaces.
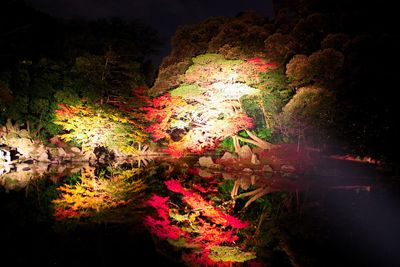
{"x":195,"y":223}
{"x":18,"y":176}
{"x":262,"y":186}
{"x":100,"y":196}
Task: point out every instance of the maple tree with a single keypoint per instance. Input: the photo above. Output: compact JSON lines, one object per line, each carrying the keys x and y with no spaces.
{"x":93,"y":127}
{"x":206,"y":108}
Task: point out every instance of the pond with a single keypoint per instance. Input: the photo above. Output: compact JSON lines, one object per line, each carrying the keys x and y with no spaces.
{"x":169,"y":212}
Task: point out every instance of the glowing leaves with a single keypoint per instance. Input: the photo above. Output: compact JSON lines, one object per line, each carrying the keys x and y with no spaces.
{"x":93,"y":197}
{"x":159,"y":203}
{"x":230,"y":254}
{"x":196,"y":201}
{"x":160,"y":113}
{"x":92,"y":127}
{"x":196,"y":225}
{"x":254,"y":69}
{"x":139,"y":93}
{"x":206,"y":108}
{"x":262,"y":66}
{"x":66,"y":111}
{"x":161,"y":227}
{"x":175,"y":149}
{"x":156,"y":132}
{"x":197,"y":126}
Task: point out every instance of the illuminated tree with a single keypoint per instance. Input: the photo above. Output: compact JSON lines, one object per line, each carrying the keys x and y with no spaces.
{"x":206,"y":108}
{"x":92,"y":127}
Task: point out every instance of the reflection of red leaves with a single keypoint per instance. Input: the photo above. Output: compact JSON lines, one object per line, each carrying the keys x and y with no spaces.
{"x":174,"y":186}
{"x":255,"y":60}
{"x":197,"y":202}
{"x":61,"y":213}
{"x":193,"y":171}
{"x":212,"y":228}
{"x":161,"y":227}
{"x":214,"y":236}
{"x":159,"y":203}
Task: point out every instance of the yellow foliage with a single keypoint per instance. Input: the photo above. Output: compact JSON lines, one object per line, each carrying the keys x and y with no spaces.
{"x":95,"y":195}
{"x":94,"y":127}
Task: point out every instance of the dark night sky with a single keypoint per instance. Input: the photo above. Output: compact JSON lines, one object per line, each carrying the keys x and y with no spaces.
{"x":162,"y":15}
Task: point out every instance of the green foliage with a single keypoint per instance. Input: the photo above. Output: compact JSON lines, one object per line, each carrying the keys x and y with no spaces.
{"x":207,"y":58}
{"x":186,"y":91}
{"x":67,"y":97}
{"x":264,"y":133}
{"x":73,"y":179}
{"x":226,"y":187}
{"x":275,"y":82}
{"x":227,"y":145}
{"x":309,"y":112}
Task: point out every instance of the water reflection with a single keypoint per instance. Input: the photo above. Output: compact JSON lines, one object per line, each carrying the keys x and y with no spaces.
{"x":201,"y":216}
{"x":18,"y":176}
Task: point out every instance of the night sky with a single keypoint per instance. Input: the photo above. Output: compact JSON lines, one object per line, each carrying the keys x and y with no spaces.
{"x":163,"y":15}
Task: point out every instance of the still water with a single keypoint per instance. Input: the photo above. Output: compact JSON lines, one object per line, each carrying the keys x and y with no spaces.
{"x":167,"y":212}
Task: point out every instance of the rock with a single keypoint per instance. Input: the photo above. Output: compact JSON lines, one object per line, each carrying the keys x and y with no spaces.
{"x":205,"y":174}
{"x":228,"y":156}
{"x":245,"y":152}
{"x":61,"y":152}
{"x":254,"y":159}
{"x":75,"y":150}
{"x":267,"y":168}
{"x":57,"y":141}
{"x":207,"y":162}
{"x":44,"y":157}
{"x":89,"y":156}
{"x":24,"y":146}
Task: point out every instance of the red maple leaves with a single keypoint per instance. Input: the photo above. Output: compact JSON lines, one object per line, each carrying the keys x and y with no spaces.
{"x":202,"y":227}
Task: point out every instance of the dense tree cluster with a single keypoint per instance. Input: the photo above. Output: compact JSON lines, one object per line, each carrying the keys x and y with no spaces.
{"x":333,"y":61}
{"x":45,"y":61}
{"x":321,"y":72}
